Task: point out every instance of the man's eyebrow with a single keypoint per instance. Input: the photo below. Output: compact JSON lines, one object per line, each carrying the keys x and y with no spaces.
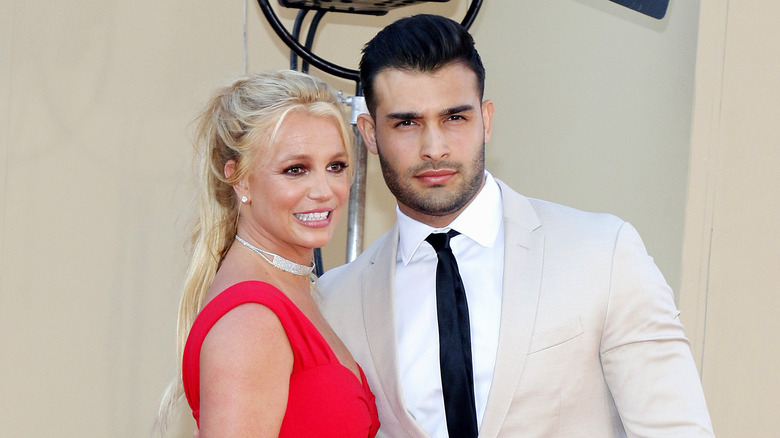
{"x":411,"y":115}
{"x":456,"y":110}
{"x":403,"y":116}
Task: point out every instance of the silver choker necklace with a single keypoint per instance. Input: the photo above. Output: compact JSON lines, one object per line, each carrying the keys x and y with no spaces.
{"x":279,"y":261}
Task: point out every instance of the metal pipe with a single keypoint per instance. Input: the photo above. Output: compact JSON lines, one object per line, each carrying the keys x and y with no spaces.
{"x":296,"y":33}
{"x":315,"y":22}
{"x":357,"y":201}
{"x":471,"y":14}
{"x":357,"y":194}
{"x":281,"y":31}
{"x":322,"y":64}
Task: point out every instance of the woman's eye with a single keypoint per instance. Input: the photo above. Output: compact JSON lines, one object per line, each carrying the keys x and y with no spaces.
{"x":294,"y":170}
{"x":337,"y":167}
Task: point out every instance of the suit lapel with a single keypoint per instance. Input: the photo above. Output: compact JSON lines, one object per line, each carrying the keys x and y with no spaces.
{"x":378,"y":313}
{"x":524,"y":250}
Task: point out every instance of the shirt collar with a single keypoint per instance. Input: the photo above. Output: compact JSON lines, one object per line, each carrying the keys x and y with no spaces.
{"x":480,"y":221}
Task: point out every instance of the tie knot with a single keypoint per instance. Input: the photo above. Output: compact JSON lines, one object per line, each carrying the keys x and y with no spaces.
{"x":441,"y":241}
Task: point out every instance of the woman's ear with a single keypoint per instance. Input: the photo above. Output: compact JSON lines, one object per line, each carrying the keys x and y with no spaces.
{"x":240,"y":187}
{"x":230,"y":168}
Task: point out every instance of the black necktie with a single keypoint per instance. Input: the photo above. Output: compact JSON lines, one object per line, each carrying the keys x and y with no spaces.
{"x":457,"y":377}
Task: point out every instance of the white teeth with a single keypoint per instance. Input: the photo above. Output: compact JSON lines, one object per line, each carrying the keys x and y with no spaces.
{"x":309,"y":217}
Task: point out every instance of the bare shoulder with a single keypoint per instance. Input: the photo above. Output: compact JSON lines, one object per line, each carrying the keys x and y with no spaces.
{"x":250,"y":328}
{"x":245,"y":366}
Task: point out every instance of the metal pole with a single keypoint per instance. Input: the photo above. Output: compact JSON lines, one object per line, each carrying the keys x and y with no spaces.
{"x":357,"y":201}
{"x":357,"y":194}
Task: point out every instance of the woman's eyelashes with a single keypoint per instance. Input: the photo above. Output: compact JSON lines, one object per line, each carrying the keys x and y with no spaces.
{"x":294,"y":170}
{"x":300,"y":169}
{"x":337,"y":167}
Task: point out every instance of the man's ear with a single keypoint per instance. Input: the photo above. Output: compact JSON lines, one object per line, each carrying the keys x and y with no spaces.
{"x":240,"y":187}
{"x":487,"y":118}
{"x":367,"y":128}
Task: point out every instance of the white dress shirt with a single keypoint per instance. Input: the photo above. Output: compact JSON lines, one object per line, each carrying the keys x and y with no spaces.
{"x":479,"y":251}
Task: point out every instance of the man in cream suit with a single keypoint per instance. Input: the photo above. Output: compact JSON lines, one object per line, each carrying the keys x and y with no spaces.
{"x":572,"y":330}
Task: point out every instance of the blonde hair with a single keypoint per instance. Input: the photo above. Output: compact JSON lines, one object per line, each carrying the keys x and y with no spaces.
{"x":239,"y":123}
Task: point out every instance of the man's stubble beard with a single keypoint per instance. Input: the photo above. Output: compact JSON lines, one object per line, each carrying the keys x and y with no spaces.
{"x":437,"y":201}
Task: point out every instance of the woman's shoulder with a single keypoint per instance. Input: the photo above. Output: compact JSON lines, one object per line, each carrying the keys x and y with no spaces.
{"x":244,"y":307}
{"x":243,"y":291}
{"x":245,"y":361}
{"x":244,"y":324}
{"x":239,"y":324}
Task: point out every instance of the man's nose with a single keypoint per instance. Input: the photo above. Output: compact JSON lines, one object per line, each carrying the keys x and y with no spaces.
{"x":434,"y":146}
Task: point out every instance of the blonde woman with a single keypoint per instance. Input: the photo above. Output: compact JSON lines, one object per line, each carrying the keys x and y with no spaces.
{"x":258,"y":357}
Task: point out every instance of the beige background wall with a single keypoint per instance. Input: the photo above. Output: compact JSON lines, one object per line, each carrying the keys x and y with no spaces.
{"x":594,"y":109}
{"x":730,"y":296}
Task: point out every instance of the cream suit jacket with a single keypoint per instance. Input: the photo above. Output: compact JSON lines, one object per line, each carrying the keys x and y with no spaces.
{"x":590,"y":342}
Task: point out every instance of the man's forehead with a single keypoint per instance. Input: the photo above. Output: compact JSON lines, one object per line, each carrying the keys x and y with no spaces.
{"x":413,"y":90}
{"x":389,"y":72}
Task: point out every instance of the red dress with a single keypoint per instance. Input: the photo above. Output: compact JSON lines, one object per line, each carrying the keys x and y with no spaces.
{"x":325,"y":398}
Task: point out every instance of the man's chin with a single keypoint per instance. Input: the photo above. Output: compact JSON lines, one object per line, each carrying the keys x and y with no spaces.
{"x":437,"y":208}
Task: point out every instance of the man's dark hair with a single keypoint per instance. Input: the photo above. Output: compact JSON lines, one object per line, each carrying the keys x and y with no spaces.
{"x":421,"y":43}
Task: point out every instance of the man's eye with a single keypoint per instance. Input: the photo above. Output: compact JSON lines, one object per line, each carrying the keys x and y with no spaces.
{"x":456,"y":117}
{"x":405,"y":123}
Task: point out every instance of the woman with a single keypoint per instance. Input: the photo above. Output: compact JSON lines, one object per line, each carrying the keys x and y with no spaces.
{"x":259,"y":359}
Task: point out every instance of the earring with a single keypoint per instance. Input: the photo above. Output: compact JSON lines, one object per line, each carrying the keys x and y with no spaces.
{"x":244,"y":199}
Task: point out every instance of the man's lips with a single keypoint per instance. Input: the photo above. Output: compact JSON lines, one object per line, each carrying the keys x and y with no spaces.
{"x":436,"y":176}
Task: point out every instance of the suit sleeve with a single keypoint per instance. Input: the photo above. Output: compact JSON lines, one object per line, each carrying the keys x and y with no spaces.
{"x":645,"y":355}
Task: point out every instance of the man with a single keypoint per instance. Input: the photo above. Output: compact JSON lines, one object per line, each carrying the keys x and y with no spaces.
{"x":570,"y":329}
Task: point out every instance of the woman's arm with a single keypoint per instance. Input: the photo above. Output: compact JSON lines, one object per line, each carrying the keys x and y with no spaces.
{"x":245,"y":367}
